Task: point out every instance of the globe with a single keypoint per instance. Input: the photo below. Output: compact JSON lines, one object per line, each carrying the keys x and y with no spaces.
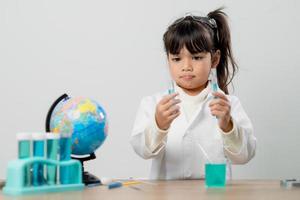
{"x":85,"y":119}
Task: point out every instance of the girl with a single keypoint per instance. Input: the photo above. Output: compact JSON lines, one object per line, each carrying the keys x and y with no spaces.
{"x":183,"y":130}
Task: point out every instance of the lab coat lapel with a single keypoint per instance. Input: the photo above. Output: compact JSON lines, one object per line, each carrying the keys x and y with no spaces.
{"x":173,"y":154}
{"x":180,"y":124}
{"x":197,"y":112}
{"x":183,"y":122}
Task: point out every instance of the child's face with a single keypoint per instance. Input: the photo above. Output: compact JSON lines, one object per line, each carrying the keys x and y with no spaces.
{"x":190,"y":71}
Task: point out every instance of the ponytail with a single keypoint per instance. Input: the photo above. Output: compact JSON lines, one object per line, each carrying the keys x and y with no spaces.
{"x":223,"y":43}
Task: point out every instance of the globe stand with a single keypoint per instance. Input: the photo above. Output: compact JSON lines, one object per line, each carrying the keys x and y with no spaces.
{"x":87,"y":178}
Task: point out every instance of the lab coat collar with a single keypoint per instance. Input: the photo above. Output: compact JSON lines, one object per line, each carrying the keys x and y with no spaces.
{"x":197,"y":98}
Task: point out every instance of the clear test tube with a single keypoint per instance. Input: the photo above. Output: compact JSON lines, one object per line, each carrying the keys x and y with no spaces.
{"x":214,"y":80}
{"x":169,"y":82}
{"x":52,"y":153}
{"x":171,"y":88}
{"x":38,"y":151}
{"x":24,"y":151}
{"x":65,"y":154}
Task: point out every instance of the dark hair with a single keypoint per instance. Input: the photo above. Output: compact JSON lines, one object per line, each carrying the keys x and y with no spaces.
{"x":204,"y":34}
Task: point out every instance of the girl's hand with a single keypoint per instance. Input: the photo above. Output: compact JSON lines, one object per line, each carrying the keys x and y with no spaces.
{"x":166,"y":111}
{"x":220,"y":107}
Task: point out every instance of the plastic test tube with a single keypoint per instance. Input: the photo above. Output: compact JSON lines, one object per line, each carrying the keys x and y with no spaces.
{"x":52,"y":153}
{"x":38,"y":151}
{"x":65,"y":154}
{"x":214,"y":80}
{"x":171,"y":88}
{"x":24,"y":151}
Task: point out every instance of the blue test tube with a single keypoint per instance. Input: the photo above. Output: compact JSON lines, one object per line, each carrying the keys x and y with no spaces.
{"x":65,"y":154}
{"x":38,"y":151}
{"x":52,"y":153}
{"x":171,"y":88}
{"x":24,"y":151}
{"x":214,"y":80}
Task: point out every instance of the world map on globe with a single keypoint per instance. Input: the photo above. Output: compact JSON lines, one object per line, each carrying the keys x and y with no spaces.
{"x":85,"y":119}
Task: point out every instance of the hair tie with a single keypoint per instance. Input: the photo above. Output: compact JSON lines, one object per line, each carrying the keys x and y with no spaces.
{"x":212,"y":22}
{"x":213,"y":25}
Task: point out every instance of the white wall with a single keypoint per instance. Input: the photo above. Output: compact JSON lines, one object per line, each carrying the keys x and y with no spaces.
{"x":112,"y":51}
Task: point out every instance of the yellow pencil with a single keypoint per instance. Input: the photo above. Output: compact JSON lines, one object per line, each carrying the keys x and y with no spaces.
{"x":127,"y":183}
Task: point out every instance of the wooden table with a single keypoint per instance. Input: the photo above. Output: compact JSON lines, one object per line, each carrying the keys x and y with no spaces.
{"x":185,"y":189}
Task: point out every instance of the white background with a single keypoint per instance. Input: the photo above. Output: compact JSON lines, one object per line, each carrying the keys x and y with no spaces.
{"x":112,"y":51}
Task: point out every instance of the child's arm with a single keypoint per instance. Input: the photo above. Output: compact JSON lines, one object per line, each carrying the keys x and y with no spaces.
{"x":221,"y":108}
{"x":239,"y":143}
{"x":166,"y":111}
{"x":235,"y":127}
{"x":148,"y":139}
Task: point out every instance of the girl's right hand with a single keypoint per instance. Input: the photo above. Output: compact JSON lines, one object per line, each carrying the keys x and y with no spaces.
{"x":166,"y":111}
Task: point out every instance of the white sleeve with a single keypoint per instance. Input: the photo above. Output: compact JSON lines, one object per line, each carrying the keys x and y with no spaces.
{"x":147,"y":139}
{"x":232,"y":140}
{"x":240,"y":145}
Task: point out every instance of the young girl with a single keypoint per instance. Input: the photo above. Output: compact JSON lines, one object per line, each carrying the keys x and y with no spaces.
{"x":182,"y":131}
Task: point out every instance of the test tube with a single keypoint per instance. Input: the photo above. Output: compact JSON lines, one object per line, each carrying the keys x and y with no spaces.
{"x":214,"y":80}
{"x":65,"y":154}
{"x":38,"y":151}
{"x":24,"y":151}
{"x":171,"y":88}
{"x":52,"y":153}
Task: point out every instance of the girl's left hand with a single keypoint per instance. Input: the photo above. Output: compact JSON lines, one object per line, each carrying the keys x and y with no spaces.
{"x":220,"y":107}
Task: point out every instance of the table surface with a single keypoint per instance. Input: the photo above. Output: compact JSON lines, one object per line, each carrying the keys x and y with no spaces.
{"x":179,"y":189}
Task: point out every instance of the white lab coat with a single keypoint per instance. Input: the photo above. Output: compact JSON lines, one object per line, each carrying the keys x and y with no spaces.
{"x":180,"y":156}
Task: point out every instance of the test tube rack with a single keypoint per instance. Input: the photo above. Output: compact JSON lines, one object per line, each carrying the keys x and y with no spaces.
{"x":15,"y":180}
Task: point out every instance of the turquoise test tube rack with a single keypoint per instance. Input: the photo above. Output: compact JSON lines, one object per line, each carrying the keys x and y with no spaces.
{"x":19,"y":173}
{"x":15,"y":182}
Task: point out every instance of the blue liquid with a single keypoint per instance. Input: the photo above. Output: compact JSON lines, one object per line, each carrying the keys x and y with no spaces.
{"x":24,"y":152}
{"x":38,"y":169}
{"x":65,"y":154}
{"x":171,"y":91}
{"x":52,"y":153}
{"x":24,"y":149}
{"x":215,"y":175}
{"x":215,"y":87}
